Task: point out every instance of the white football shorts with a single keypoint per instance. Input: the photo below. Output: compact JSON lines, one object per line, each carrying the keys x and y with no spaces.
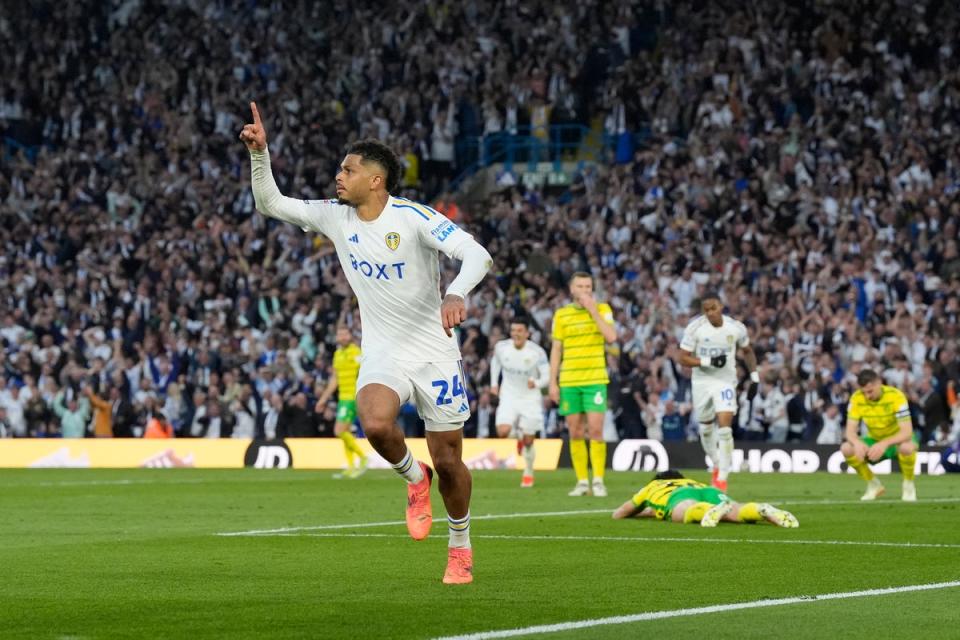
{"x":525,"y":416}
{"x":712,"y":397}
{"x":436,"y":389}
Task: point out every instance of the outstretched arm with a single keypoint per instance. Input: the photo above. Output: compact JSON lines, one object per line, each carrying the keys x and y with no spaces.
{"x":266,"y":194}
{"x":630,"y":510}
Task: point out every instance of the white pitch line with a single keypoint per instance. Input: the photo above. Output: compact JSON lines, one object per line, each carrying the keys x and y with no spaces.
{"x":869,"y":502}
{"x":135,"y":481}
{"x":494,"y":536}
{"x":501,"y":516}
{"x":85,"y":483}
{"x":696,"y":611}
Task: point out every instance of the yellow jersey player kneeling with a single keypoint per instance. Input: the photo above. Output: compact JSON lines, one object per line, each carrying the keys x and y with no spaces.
{"x":885,"y":413}
{"x":670,"y":496}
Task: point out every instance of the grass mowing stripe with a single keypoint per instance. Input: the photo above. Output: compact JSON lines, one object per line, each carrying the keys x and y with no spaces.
{"x":696,"y":611}
{"x":362,"y":525}
{"x":494,"y":536}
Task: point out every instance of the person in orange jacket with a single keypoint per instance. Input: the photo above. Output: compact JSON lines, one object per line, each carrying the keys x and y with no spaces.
{"x":158,"y":427}
{"x":102,"y":418}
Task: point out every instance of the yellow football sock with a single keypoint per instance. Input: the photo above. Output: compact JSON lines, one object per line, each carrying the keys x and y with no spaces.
{"x":353,"y":444}
{"x":578,"y":456}
{"x":350,"y":447}
{"x":695,"y":513}
{"x":749,"y":512}
{"x":598,"y":458}
{"x":907,"y":463}
{"x":861,"y":467}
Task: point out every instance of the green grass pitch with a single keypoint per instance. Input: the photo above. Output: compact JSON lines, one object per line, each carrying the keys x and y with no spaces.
{"x":136,"y":554}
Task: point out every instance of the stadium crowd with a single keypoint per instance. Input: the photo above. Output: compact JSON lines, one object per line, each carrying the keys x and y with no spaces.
{"x":803,"y":160}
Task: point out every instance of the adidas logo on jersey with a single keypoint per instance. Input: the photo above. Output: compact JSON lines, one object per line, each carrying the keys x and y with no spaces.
{"x":354,"y":239}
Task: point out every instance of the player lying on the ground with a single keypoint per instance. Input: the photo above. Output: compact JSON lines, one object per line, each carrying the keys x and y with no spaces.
{"x":670,"y":496}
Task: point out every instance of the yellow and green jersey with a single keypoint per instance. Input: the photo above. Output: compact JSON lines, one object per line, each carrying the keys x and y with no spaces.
{"x":346,"y":364}
{"x":881,"y":417}
{"x":584,"y":349}
{"x":657,"y":494}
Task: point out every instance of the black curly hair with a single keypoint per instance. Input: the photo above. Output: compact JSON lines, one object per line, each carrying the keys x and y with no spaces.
{"x":371,"y":150}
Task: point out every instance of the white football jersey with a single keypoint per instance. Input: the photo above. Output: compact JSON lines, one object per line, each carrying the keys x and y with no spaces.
{"x":703,"y":339}
{"x":518,"y":366}
{"x":393,"y":267}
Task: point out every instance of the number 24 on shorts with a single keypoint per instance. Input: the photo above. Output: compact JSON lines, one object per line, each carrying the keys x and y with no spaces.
{"x":455,"y":390}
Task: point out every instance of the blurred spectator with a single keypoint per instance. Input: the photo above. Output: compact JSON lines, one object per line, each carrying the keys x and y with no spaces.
{"x":102,"y":418}
{"x":121,"y":414}
{"x":797,"y":414}
{"x":672,"y":423}
{"x":158,"y":426}
{"x":774,"y":405}
{"x":653,"y":411}
{"x":6,"y":430}
{"x":833,"y":426}
{"x":73,"y":415}
{"x":297,"y":420}
{"x":216,"y":422}
{"x":14,"y":400}
{"x":271,"y":415}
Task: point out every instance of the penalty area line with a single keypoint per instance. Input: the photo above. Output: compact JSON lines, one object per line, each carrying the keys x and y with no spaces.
{"x":695,"y":611}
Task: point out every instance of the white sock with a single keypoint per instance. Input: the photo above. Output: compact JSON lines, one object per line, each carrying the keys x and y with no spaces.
{"x":459,"y":531}
{"x":409,"y":468}
{"x":528,"y":455}
{"x":708,"y":438}
{"x":724,"y":452}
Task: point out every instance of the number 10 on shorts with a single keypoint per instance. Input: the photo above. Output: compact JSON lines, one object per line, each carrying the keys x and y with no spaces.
{"x":455,"y":390}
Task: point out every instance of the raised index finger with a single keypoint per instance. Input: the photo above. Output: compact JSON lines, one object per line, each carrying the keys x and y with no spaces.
{"x":256,"y":114}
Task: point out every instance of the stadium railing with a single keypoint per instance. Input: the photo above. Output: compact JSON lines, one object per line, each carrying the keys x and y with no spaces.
{"x":561,"y":142}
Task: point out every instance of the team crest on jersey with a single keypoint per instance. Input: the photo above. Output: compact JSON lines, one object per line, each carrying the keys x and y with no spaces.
{"x":393,"y":240}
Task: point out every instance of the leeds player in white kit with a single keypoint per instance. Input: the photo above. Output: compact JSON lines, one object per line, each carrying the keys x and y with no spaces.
{"x":526,"y":372}
{"x":709,"y":345}
{"x":388,"y":249}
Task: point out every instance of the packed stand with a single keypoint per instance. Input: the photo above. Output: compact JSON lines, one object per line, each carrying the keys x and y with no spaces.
{"x":800,"y":159}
